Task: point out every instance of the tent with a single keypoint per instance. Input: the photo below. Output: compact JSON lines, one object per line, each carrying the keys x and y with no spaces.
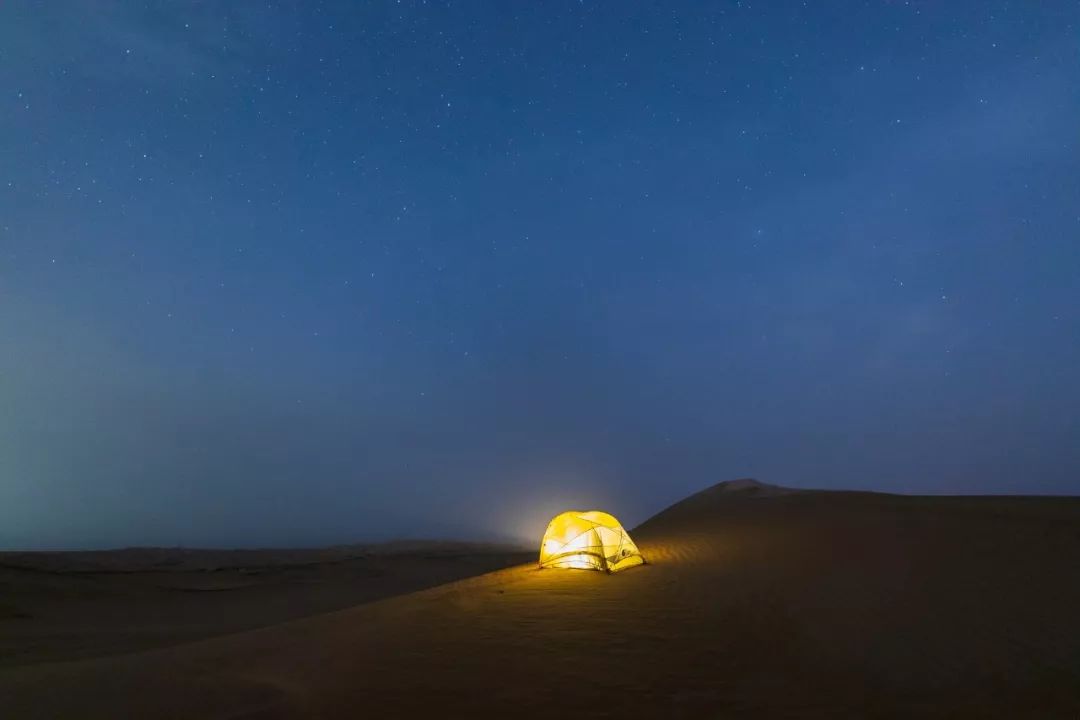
{"x":590,"y":540}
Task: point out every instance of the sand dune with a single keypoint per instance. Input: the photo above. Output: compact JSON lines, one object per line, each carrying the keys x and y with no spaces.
{"x":71,"y":605}
{"x":758,"y":602}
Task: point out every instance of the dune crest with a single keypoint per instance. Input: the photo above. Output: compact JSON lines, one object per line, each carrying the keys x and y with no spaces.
{"x":749,"y":486}
{"x":755,"y":604}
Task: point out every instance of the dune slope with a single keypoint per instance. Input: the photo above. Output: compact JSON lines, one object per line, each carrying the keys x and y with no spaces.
{"x":757,"y":603}
{"x":58,"y":606}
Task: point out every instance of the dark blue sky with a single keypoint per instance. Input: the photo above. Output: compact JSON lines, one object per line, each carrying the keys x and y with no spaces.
{"x":304,"y":273}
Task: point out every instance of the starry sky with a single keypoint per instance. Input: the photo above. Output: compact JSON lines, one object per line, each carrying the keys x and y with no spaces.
{"x":301,"y":273}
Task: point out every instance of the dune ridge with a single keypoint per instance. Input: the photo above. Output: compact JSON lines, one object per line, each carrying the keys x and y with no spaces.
{"x":757,"y":602}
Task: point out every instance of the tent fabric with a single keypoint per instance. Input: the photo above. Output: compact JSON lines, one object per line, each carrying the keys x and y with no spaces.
{"x":589,"y":540}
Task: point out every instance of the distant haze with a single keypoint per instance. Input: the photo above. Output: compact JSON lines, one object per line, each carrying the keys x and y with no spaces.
{"x":294,"y":275}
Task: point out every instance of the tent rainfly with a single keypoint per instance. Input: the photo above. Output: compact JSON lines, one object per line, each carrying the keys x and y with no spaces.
{"x":591,"y":540}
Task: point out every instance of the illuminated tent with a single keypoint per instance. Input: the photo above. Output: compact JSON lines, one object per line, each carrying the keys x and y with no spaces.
{"x":590,"y":540}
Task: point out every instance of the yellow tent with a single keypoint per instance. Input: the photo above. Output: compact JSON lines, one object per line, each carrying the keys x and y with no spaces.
{"x":590,"y":540}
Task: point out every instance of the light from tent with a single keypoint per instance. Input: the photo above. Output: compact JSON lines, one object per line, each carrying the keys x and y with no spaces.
{"x":592,"y":540}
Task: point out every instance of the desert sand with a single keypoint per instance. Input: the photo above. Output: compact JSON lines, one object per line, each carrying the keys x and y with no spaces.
{"x":756,"y":602}
{"x":70,"y":605}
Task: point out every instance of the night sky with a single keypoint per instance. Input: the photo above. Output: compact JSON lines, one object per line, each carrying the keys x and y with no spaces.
{"x":307,"y":273}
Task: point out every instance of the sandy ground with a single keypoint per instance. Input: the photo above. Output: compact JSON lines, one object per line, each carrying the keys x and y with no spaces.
{"x":757,"y":603}
{"x":71,"y":605}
